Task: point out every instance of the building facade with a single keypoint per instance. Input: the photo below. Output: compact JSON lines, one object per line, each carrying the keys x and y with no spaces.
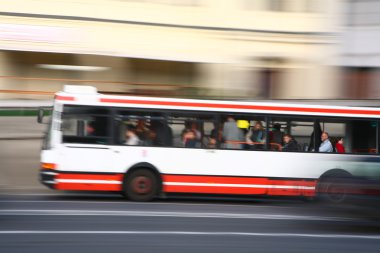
{"x":243,"y":49}
{"x":360,"y":51}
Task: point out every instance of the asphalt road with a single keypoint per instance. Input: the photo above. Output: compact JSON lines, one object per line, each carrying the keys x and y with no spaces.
{"x":73,"y":222}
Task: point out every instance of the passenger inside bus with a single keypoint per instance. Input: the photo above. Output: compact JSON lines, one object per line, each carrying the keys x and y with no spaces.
{"x":90,"y":129}
{"x":189,"y":138}
{"x":143,"y":132}
{"x":326,"y":145}
{"x":256,"y":136}
{"x":217,"y":133}
{"x":194,"y":128}
{"x":317,"y":132}
{"x":131,"y":136}
{"x":212,"y":142}
{"x":232,"y":135}
{"x":276,"y":135}
{"x":290,"y":144}
{"x":162,"y":134}
{"x":339,"y":147}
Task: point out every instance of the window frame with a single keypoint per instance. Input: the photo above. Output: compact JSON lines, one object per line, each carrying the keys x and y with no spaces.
{"x":335,"y":118}
{"x":112,"y":113}
{"x":165,"y":113}
{"x":107,"y":116}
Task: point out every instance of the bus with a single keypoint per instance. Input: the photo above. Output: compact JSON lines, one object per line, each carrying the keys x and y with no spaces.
{"x":145,"y":147}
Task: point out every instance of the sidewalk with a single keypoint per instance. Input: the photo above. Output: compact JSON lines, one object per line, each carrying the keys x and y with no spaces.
{"x":20,"y":128}
{"x":19,"y":103}
{"x":20,"y":164}
{"x":18,"y":119}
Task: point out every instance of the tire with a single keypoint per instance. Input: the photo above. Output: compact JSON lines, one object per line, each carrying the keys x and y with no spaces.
{"x":333,"y":189}
{"x":141,"y":185}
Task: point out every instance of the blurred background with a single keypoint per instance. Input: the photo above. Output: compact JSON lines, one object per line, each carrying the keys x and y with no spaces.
{"x":231,"y":49}
{"x":318,"y":51}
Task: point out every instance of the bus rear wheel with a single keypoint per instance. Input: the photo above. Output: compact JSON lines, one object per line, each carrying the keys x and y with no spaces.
{"x":141,"y":185}
{"x":334,"y":189}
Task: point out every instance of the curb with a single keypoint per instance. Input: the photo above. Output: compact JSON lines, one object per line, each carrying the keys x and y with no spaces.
{"x":21,"y":138}
{"x":21,"y":112}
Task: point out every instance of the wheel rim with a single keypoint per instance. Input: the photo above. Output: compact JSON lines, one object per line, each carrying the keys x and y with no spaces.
{"x":336,"y":192}
{"x":142,"y":185}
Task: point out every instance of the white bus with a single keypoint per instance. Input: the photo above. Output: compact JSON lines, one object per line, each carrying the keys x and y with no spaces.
{"x":139,"y":146}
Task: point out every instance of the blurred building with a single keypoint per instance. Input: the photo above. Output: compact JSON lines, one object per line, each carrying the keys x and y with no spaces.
{"x":189,"y":48}
{"x":360,"y":51}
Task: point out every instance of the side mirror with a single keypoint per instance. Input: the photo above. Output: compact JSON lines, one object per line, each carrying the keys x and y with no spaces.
{"x":40,"y":115}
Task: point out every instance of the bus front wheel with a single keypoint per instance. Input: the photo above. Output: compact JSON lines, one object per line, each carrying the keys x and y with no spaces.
{"x":141,"y":185}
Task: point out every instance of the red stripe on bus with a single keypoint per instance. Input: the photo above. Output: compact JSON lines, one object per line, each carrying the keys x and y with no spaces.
{"x":213,"y":190}
{"x":236,"y":180}
{"x":117,"y":177}
{"x":213,"y":179}
{"x":238,"y":190}
{"x":65,"y":98}
{"x":217,"y":189}
{"x":190,"y":179}
{"x":88,"y":187}
{"x":237,"y":106}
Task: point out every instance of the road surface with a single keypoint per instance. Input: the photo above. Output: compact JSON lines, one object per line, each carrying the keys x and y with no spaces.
{"x":79,"y":222}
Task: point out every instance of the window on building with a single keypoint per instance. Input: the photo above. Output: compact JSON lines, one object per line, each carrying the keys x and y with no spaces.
{"x":168,"y":2}
{"x":363,"y":12}
{"x":361,"y":82}
{"x":294,"y":5}
{"x":276,"y":5}
{"x":313,"y":5}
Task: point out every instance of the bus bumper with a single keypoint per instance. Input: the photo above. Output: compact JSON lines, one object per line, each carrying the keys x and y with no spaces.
{"x":47,"y":178}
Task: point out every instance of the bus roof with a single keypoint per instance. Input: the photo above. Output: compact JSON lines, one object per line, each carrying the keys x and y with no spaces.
{"x":96,"y":99}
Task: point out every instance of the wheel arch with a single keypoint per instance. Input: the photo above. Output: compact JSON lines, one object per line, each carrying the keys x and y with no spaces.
{"x":333,"y":173}
{"x":328,"y":176}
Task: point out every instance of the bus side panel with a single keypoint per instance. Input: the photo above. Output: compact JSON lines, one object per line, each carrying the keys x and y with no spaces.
{"x":227,"y":171}
{"x":245,"y":172}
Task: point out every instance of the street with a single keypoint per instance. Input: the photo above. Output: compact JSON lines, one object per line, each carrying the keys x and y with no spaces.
{"x":61,"y":222}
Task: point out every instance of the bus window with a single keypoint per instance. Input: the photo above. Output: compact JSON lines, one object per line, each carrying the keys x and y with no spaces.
{"x":255,"y":135}
{"x":364,"y":136}
{"x":85,"y":124}
{"x":291,"y":134}
{"x":243,"y":132}
{"x":134,"y":131}
{"x":306,"y":132}
{"x":277,"y":129}
{"x":138,"y":128}
{"x":351,"y":136}
{"x":192,"y":130}
{"x":337,"y":135}
{"x":84,"y":129}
